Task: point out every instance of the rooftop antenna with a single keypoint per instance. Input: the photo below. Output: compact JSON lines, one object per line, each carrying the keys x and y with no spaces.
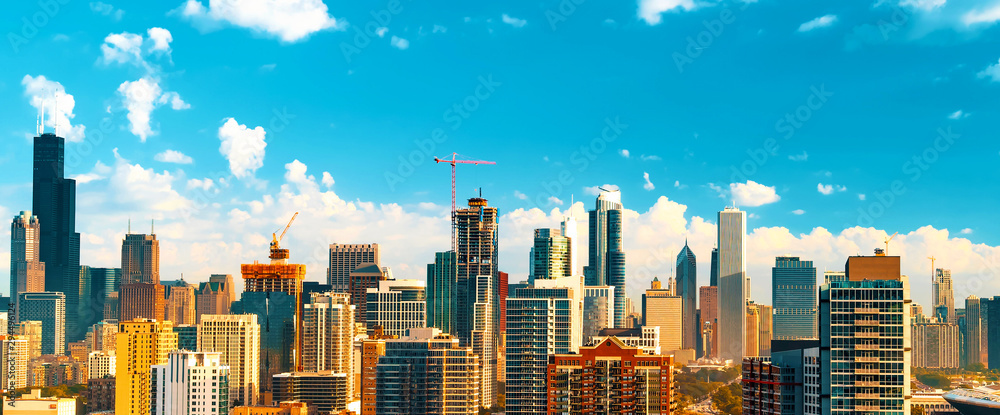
{"x":55,"y":113}
{"x":130,"y":225}
{"x":41,"y":125}
{"x":38,"y":123}
{"x":152,"y":226}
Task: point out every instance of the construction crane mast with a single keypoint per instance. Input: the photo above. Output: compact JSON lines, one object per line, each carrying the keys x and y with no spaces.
{"x":454,"y":161}
{"x":887,"y":240}
{"x":276,"y":252}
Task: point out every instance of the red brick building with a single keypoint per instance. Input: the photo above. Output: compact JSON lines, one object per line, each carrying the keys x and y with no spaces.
{"x":611,"y":377}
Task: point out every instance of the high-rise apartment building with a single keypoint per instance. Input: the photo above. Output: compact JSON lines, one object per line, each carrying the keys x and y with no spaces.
{"x":598,"y":309}
{"x":541,"y":320}
{"x":365,"y":276}
{"x":190,"y":383}
{"x":733,"y":284}
{"x":142,"y":300}
{"x":442,"y":281}
{"x":327,"y":391}
{"x":140,"y":259}
{"x":765,"y":329}
{"x":49,"y":308}
{"x":187,"y":337}
{"x":484,"y":339}
{"x":328,"y":335}
{"x":663,"y":309}
{"x":371,"y":350}
{"x":427,"y":372}
{"x":687,"y":290}
{"x":142,"y":343}
{"x":101,"y":364}
{"x":31,"y":332}
{"x":27,"y":272}
{"x":17,"y":347}
{"x":752,"y":331}
{"x":708,"y":297}
{"x":344,"y":259}
{"x":237,"y":338}
{"x":180,"y":306}
{"x":943,"y":295}
{"x":990,"y":314}
{"x":551,"y":255}
{"x":53,"y":200}
{"x":975,"y":349}
{"x":606,"y":264}
{"x":569,"y":230}
{"x":936,"y":345}
{"x":477,"y":247}
{"x":396,"y":306}
{"x":793,"y":284}
{"x":610,"y":378}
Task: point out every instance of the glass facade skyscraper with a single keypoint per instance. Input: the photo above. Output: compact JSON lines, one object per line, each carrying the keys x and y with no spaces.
{"x":606,"y":264}
{"x":442,"y":276}
{"x":733,"y":284}
{"x":687,"y":289}
{"x":275,"y":313}
{"x":793,"y":286}
{"x":550,"y":255}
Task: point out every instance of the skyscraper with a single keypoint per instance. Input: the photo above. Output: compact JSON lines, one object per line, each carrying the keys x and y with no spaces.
{"x":53,"y":200}
{"x":365,"y":276}
{"x":598,"y":309}
{"x":975,"y":349}
{"x":140,"y":259}
{"x":753,"y":331}
{"x":142,"y":343}
{"x":569,"y":230}
{"x":550,"y":255}
{"x":27,"y":273}
{"x":50,"y":309}
{"x":396,"y":306}
{"x":180,"y":304}
{"x":484,"y":339}
{"x":765,"y":329}
{"x":943,"y":293}
{"x":344,"y":259}
{"x":328,"y":335}
{"x":687,"y":289}
{"x":237,"y":337}
{"x":16,"y":347}
{"x":793,"y":284}
{"x":96,"y":285}
{"x":709,"y":306}
{"x":733,"y":284}
{"x":142,"y":300}
{"x":606,"y":264}
{"x":215,"y":296}
{"x":935,"y":345}
{"x":663,"y":309}
{"x":427,"y":372}
{"x":442,"y":278}
{"x":477,"y":240}
{"x":190,"y":383}
{"x":714,"y":275}
{"x":989,"y":310}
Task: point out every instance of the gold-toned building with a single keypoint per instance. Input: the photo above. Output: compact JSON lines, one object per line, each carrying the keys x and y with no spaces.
{"x":141,"y":343}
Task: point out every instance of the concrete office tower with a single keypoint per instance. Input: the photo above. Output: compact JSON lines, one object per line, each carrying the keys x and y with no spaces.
{"x":344,"y":259}
{"x":484,"y":339}
{"x":27,"y":272}
{"x":606,"y":264}
{"x":765,"y":329}
{"x":190,"y":383}
{"x":142,"y":300}
{"x":50,"y":309}
{"x":865,"y":338}
{"x":215,"y":296}
{"x":709,"y":306}
{"x":442,"y":281}
{"x":180,"y":304}
{"x":328,"y":335}
{"x":142,"y":343}
{"x":100,"y":364}
{"x":427,"y":372}
{"x":687,"y":289}
{"x":936,"y":345}
{"x":551,"y":255}
{"x":395,"y":306}
{"x":53,"y":200}
{"x":581,"y":383}
{"x":598,"y":309}
{"x":478,"y":240}
{"x":17,"y":347}
{"x":140,"y":259}
{"x":793,"y":284}
{"x":541,"y":320}
{"x":237,"y":338}
{"x":663,"y":309}
{"x":569,"y":230}
{"x":753,"y":331}
{"x":714,"y":274}
{"x":975,"y":349}
{"x":365,"y":276}
{"x":943,"y":295}
{"x":733,"y":284}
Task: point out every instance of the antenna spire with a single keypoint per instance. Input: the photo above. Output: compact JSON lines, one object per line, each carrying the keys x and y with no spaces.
{"x":130,"y":225}
{"x":152,"y":226}
{"x":41,"y":125}
{"x":55,"y":120}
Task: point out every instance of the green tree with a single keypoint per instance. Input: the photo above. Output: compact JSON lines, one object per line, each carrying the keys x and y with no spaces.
{"x":729,"y":399}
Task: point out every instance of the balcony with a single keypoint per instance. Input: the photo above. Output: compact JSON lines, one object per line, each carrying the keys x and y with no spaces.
{"x":865,"y":335}
{"x":867,"y":371}
{"x":866,"y":322}
{"x":866,"y":384}
{"x":866,"y":347}
{"x":866,"y":408}
{"x":865,"y":311}
{"x":866,"y":359}
{"x":867,"y":396}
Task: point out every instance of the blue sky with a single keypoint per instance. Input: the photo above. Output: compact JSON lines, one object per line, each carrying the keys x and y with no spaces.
{"x":167,"y":98}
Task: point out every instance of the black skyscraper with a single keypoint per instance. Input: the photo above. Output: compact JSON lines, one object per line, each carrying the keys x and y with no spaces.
{"x":714,"y":274}
{"x":54,"y":202}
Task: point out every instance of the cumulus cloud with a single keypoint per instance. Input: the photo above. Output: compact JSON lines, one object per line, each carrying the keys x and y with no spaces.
{"x":648,"y":185}
{"x":520,"y":195}
{"x":819,"y":22}
{"x":828,"y":189}
{"x":50,"y":95}
{"x":399,"y":43}
{"x":992,"y":72}
{"x":967,"y":231}
{"x":750,"y":194}
{"x":134,"y":49}
{"x":203,"y":184}
{"x":173,"y":156}
{"x":327,"y":180}
{"x":513,"y":21}
{"x":596,"y":190}
{"x":651,"y":11}
{"x":287,"y":21}
{"x":243,"y":147}
{"x":99,"y":172}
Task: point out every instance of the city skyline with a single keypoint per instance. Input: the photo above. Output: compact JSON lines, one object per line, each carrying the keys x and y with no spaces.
{"x":146,"y":181}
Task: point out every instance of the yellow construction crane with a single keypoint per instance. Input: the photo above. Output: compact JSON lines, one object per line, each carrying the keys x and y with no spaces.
{"x":276,"y":252}
{"x":887,"y":242}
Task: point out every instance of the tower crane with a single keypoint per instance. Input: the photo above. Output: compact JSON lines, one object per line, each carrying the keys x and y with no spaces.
{"x":276,"y":252}
{"x":454,"y":161}
{"x":887,"y":242}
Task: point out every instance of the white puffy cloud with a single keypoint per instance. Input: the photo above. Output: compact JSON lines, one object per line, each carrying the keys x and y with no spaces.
{"x":828,"y":189}
{"x":50,"y":96}
{"x":624,"y":153}
{"x":399,"y":43}
{"x":652,"y":10}
{"x":123,"y":48}
{"x":380,"y":32}
{"x":137,"y":188}
{"x":288,"y":21}
{"x":749,"y":194}
{"x":967,"y":231}
{"x":161,"y":39}
{"x":513,"y":21}
{"x":203,"y":184}
{"x":992,"y":72}
{"x":106,"y":9}
{"x":173,"y":156}
{"x":243,"y":147}
{"x":328,"y":180}
{"x":139,"y":98}
{"x":819,"y":22}
{"x":99,"y":172}
{"x":648,"y":185}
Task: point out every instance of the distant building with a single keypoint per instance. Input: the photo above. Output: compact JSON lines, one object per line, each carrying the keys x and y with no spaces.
{"x":27,"y":272}
{"x":140,"y":259}
{"x":936,"y":345}
{"x":793,"y":284}
{"x":396,"y":306}
{"x":327,"y":391}
{"x":598,"y":309}
{"x":50,"y":309}
{"x":180,"y":306}
{"x":190,"y":383}
{"x":660,"y":307}
{"x":943,"y":295}
{"x":187,"y":337}
{"x":142,"y":300}
{"x":101,"y":395}
{"x":606,"y":264}
{"x":237,"y":338}
{"x":100,"y":365}
{"x":215,"y":296}
{"x":20,"y":353}
{"x":283,"y":408}
{"x":328,"y":336}
{"x":344,"y":259}
{"x":371,"y":351}
{"x":31,"y":332}
{"x":687,"y":289}
{"x":442,"y":282}
{"x":142,"y":343}
{"x":646,"y":339}
{"x":427,"y":372}
{"x":709,"y":306}
{"x":34,"y":404}
{"x":974,"y":332}
{"x":733,"y":284}
{"x":365,"y":276}
{"x":583,"y":382}
{"x":752,"y":331}
{"x":550,"y":255}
